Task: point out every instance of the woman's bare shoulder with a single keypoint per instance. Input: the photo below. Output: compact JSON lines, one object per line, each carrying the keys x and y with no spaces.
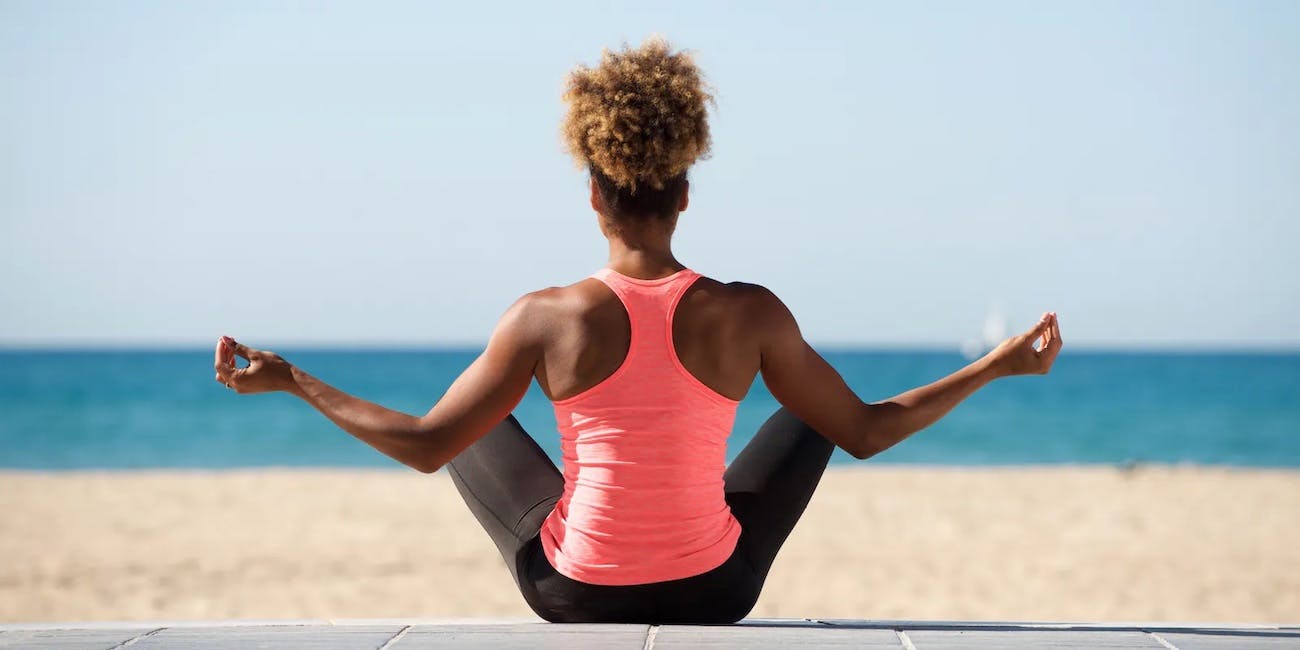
{"x":752,"y":306}
{"x":581,"y":301}
{"x":747,"y":296}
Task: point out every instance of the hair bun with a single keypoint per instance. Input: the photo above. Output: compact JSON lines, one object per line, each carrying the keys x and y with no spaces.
{"x":640,"y":117}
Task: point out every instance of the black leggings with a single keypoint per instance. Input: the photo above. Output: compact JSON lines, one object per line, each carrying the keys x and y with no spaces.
{"x":511,"y":486}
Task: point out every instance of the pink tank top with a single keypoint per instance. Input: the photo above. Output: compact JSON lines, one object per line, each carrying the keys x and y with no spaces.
{"x":644,"y":452}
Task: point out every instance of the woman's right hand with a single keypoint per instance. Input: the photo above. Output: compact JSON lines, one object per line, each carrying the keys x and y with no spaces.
{"x":1018,"y":355}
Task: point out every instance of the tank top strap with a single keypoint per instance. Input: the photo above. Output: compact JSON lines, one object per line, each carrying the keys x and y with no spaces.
{"x":675,"y":296}
{"x":649,"y":303}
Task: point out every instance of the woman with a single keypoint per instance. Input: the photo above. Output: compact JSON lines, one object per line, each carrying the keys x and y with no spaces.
{"x":645,"y":362}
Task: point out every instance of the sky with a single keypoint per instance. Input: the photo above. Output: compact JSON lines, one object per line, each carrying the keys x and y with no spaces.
{"x":391,"y":173}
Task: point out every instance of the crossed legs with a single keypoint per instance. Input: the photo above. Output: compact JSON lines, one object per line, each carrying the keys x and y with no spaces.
{"x":511,"y":486}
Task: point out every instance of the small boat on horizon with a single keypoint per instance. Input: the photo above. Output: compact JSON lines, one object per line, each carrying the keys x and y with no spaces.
{"x":994,"y":332}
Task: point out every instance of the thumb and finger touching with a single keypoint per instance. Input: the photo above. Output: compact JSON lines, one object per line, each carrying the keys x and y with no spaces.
{"x":1051,"y":342}
{"x":237,"y":348}
{"x":227,"y":371}
{"x":1040,"y":344}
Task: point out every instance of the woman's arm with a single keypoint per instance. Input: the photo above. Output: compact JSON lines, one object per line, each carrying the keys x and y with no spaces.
{"x":482,"y":396}
{"x":801,"y":380}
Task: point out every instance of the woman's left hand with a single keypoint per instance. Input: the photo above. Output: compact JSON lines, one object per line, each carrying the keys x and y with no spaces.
{"x":266,"y":371}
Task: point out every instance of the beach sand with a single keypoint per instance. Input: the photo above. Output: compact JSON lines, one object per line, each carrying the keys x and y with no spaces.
{"x":1080,"y":544}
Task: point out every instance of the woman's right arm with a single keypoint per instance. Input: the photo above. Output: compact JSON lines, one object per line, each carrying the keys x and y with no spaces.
{"x":802,"y":381}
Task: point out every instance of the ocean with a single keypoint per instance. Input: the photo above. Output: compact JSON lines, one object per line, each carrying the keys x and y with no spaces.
{"x":132,"y":409}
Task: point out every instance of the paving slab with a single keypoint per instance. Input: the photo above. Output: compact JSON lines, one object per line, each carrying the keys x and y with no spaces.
{"x":1224,"y":639}
{"x":1029,"y":638}
{"x":72,"y":638}
{"x":297,"y":637}
{"x":742,"y":637}
{"x":524,"y":635}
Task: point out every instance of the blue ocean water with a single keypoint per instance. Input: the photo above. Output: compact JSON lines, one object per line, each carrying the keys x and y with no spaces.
{"x":148,"y":409}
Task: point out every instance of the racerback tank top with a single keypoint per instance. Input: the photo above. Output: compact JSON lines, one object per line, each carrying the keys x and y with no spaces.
{"x":644,"y":453}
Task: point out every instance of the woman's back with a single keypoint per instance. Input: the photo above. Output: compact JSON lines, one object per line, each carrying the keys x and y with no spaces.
{"x":644,"y":448}
{"x":714,"y":335}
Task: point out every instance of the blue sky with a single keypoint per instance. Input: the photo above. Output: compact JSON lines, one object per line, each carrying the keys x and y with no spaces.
{"x":391,"y":173}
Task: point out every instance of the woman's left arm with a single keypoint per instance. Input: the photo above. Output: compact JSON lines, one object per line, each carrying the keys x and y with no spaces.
{"x":481,"y":397}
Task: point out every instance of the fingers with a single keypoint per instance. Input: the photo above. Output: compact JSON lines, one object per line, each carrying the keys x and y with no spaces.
{"x":230,"y":376}
{"x":226,"y":371}
{"x":1041,"y":326}
{"x":1034,"y":337}
{"x":238,"y":348}
{"x":1053,"y":333}
{"x":224,"y":363}
{"x":220,"y":354}
{"x":1049,"y":357}
{"x":1053,"y":347}
{"x":242,"y":380}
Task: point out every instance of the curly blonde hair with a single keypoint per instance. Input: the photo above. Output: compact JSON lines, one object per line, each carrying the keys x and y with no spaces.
{"x":639,"y":118}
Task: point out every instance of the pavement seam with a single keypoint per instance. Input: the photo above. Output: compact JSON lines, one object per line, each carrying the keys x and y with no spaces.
{"x":905,"y":640}
{"x":395,"y":638}
{"x":650,"y":635}
{"x":131,"y":641}
{"x":1161,"y":640}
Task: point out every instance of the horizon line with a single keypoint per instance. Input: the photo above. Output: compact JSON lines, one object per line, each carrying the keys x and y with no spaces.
{"x":1174,"y":346}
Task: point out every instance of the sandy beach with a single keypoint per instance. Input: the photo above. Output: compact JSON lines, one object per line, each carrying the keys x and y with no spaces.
{"x":1081,"y":544}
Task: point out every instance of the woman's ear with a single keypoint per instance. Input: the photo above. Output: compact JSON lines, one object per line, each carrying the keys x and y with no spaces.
{"x":686,"y":196}
{"x":596,"y":203}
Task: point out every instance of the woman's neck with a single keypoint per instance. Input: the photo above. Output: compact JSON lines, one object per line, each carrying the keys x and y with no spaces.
{"x":642,"y":249}
{"x":642,"y":262}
